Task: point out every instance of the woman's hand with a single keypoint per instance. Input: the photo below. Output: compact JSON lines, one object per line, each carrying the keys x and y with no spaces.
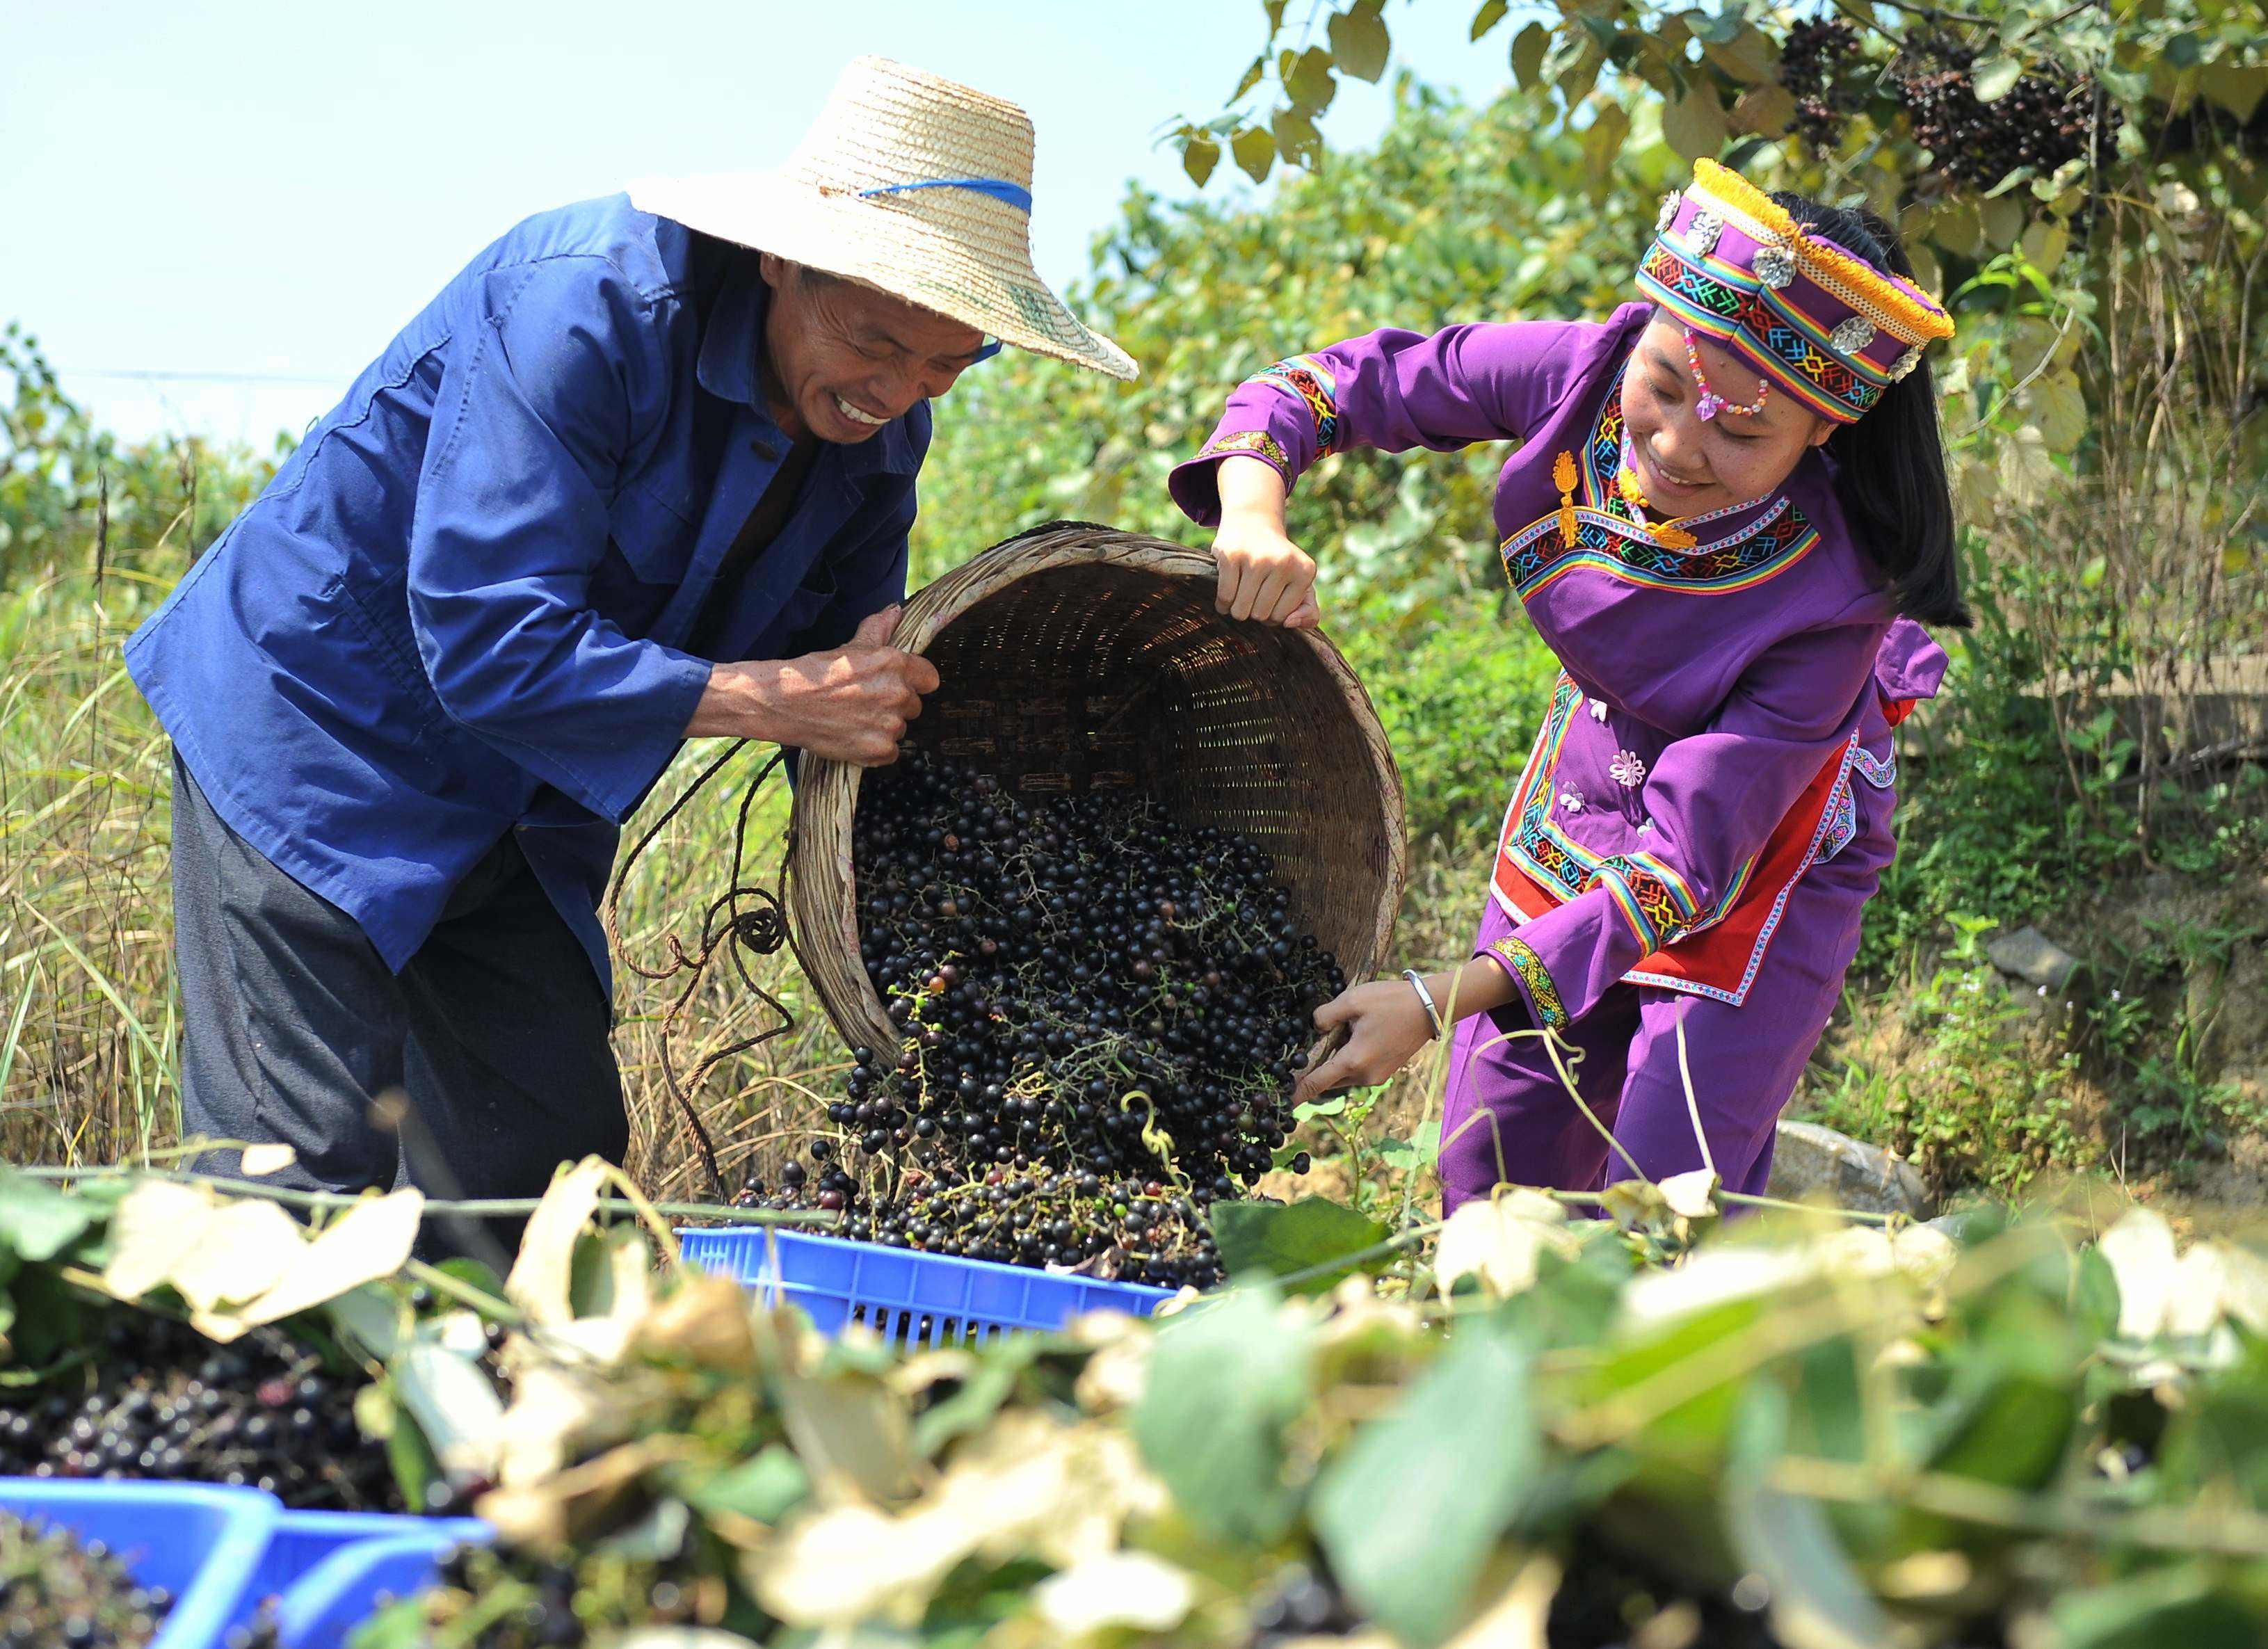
{"x":1387,"y":1025}
{"x":1263,"y":575}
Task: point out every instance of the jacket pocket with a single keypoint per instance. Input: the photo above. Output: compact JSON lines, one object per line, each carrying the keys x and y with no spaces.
{"x":382,"y":619}
{"x":655,"y":541}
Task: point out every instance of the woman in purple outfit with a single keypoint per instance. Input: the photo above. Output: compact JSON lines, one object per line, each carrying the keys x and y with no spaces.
{"x":1728,"y":511}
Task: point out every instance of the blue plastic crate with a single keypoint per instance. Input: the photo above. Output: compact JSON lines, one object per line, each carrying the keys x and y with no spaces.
{"x":200,"y":1542}
{"x":304,"y":1540}
{"x":326,"y":1605}
{"x":912,"y":1298}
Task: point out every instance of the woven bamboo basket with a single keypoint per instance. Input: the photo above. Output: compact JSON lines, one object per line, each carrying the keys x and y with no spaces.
{"x":1075,"y":657}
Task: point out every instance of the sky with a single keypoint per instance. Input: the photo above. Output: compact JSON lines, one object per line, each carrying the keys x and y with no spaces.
{"x":212,"y":215}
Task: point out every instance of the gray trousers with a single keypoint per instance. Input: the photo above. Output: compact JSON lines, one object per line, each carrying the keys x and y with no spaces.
{"x":495,"y":1031}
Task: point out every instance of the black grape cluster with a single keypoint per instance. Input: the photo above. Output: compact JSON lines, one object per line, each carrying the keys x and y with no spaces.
{"x":1817,"y":65}
{"x":2042,"y":120}
{"x":57,"y":1592}
{"x":1101,"y":1015}
{"x":164,"y":1402}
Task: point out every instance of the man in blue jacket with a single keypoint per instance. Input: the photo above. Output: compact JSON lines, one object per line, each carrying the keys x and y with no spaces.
{"x":643,"y":471}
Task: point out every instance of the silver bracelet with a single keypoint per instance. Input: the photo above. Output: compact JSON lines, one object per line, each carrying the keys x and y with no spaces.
{"x":1432,"y":1013}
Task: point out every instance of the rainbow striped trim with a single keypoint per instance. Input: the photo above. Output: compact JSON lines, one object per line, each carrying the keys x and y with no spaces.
{"x":1537,"y":556}
{"x":1318,"y":390}
{"x":1723,"y":301}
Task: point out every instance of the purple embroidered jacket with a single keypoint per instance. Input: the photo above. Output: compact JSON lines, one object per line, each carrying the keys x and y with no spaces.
{"x":1705,"y":688}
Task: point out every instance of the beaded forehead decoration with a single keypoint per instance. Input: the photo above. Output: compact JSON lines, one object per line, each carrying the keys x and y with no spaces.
{"x":1824,"y":325}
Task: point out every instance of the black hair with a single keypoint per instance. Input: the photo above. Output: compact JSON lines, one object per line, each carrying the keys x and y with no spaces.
{"x":1891,"y":464}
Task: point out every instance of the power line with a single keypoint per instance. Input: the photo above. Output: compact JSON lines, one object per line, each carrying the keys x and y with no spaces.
{"x":205,"y":377}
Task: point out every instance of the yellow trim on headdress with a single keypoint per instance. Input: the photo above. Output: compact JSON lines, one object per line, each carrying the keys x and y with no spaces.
{"x":1885,"y":301}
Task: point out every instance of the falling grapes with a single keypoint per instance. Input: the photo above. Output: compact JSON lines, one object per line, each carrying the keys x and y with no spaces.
{"x":164,"y":1402}
{"x":57,"y":1592}
{"x":1100,"y":1015}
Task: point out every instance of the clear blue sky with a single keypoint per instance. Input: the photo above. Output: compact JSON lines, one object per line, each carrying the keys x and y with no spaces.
{"x":269,"y":188}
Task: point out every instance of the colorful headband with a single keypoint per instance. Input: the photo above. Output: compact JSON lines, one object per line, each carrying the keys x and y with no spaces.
{"x":1820,"y":321}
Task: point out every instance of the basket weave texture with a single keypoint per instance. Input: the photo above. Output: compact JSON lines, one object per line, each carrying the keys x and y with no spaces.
{"x":1075,"y":657}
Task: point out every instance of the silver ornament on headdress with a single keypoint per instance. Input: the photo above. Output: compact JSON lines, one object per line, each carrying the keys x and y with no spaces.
{"x":1701,"y":234}
{"x":1668,"y":213}
{"x":1775,"y":266}
{"x":1905,"y":364}
{"x":1853,"y":335}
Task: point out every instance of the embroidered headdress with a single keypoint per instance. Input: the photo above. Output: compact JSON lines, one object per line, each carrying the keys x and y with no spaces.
{"x":1825,"y":325}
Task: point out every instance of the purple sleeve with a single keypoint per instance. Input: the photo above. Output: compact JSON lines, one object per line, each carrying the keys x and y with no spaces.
{"x":1392,"y":390}
{"x":1713,"y":799}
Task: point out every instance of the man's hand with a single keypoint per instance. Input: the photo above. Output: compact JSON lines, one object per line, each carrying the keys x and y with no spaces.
{"x":850,"y":705}
{"x":1263,"y":575}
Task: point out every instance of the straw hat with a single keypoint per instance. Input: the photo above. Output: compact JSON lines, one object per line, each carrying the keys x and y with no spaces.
{"x":910,"y":183}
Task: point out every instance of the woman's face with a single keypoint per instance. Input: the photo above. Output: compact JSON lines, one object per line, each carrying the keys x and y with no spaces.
{"x":1732,"y":458}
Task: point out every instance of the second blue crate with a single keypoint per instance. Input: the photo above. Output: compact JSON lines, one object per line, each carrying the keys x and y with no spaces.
{"x":908,"y":1297}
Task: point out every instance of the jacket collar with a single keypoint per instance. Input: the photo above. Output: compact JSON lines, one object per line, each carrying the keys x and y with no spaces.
{"x":731,"y":344}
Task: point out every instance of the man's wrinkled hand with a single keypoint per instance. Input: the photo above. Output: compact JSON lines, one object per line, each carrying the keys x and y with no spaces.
{"x":849,"y":703}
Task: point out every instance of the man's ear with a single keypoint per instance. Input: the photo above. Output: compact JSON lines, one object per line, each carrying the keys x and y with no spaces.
{"x":773,"y":267}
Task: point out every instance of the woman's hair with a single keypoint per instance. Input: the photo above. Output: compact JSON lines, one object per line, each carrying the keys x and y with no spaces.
{"x":1891,"y":464}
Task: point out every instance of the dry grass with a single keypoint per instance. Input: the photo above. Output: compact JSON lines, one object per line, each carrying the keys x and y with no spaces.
{"x":89,"y":1026}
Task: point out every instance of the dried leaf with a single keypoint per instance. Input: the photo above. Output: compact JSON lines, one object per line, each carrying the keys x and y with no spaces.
{"x":454,"y":1405}
{"x":154,"y":1223}
{"x":2140,"y":1250}
{"x":852,"y":1563}
{"x":704,"y":1321}
{"x":1199,"y":157}
{"x":1501,"y":1240}
{"x":370,"y":1241}
{"x":1125,"y":1590}
{"x":852,"y":1433}
{"x":257,"y":1161}
{"x":1693,"y":1194}
{"x":240,"y":1253}
{"x":542,"y":1278}
{"x":1516,"y":1619}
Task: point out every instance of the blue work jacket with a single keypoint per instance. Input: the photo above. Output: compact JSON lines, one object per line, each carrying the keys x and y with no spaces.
{"x":459,"y":609}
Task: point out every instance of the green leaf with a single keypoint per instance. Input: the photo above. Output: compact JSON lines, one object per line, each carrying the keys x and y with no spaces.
{"x":1694,"y":125}
{"x":38,"y":1221}
{"x":1453,"y":1485}
{"x":1254,"y":152}
{"x":988,"y":1386}
{"x":1296,"y":136}
{"x":1309,"y":81}
{"x":765,"y":1487}
{"x":1818,"y":1601}
{"x":1527,"y":49}
{"x":1359,"y":41}
{"x":1420,"y":1151}
{"x":2175,"y":1605}
{"x":2184,"y":50}
{"x":1491,"y":14}
{"x":1309,"y":1109}
{"x":1994,"y":75}
{"x":1281,"y":1239}
{"x":1225,"y":1378}
{"x":1251,"y":77}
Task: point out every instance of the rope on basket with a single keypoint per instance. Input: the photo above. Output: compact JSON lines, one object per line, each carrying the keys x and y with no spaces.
{"x":744,"y":934}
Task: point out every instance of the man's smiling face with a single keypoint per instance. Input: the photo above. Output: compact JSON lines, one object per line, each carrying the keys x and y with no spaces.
{"x":841,"y":360}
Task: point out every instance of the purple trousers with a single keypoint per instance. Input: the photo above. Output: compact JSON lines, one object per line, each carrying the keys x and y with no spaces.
{"x":1506,"y":1117}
